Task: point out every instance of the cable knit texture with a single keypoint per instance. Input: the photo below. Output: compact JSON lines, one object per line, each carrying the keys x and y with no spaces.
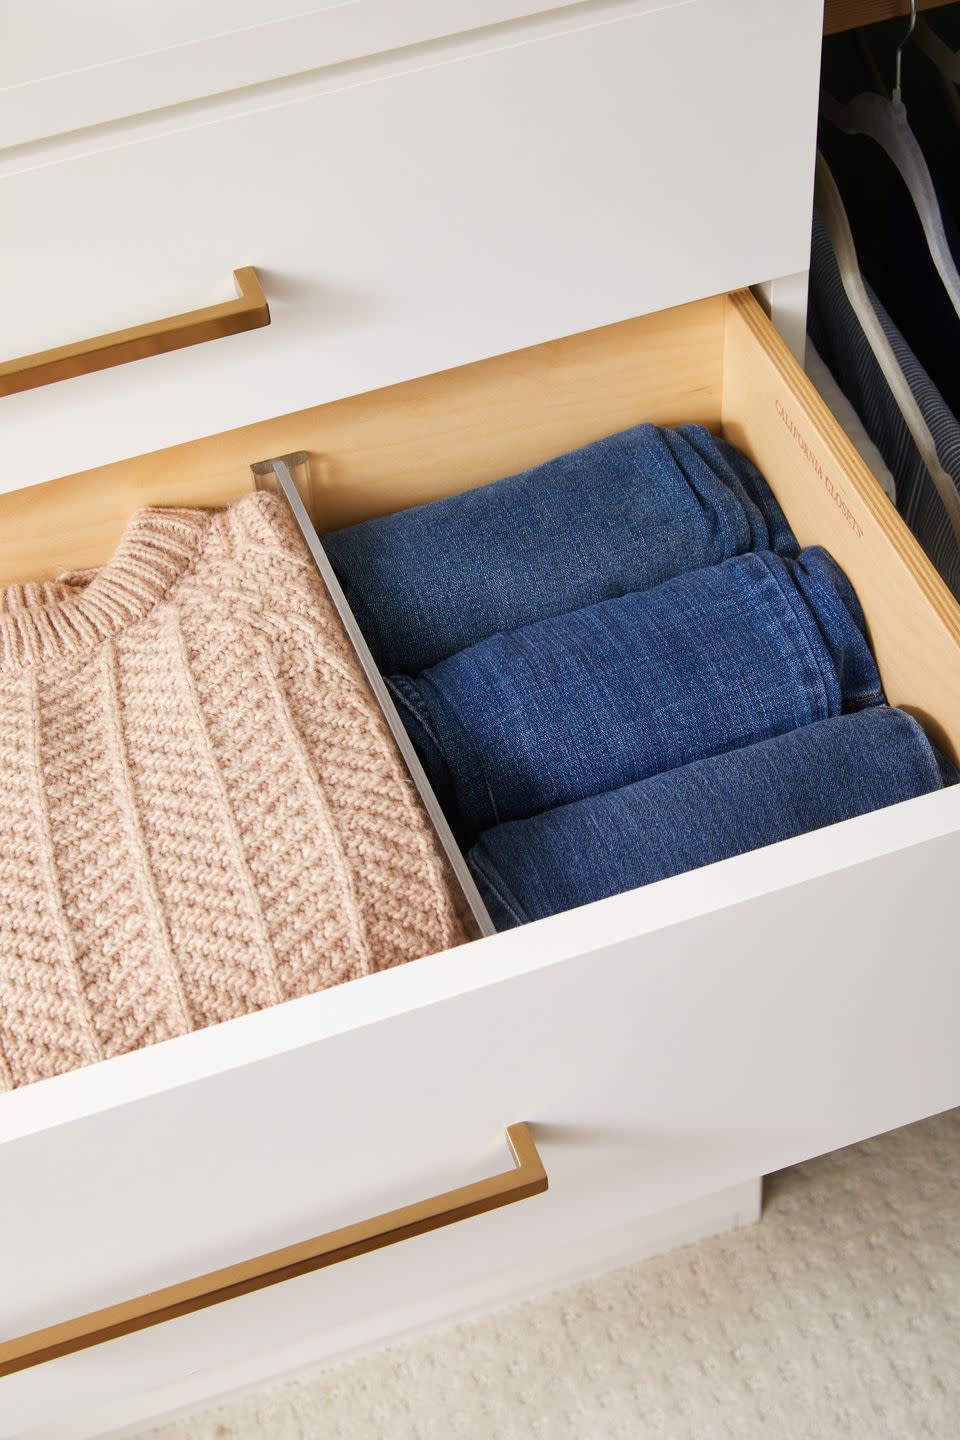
{"x":202,"y":811}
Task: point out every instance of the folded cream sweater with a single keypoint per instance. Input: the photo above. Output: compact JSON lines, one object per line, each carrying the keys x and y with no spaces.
{"x":202,"y":811}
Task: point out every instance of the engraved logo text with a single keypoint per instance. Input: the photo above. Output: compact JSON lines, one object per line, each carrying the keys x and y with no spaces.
{"x":829,"y":484}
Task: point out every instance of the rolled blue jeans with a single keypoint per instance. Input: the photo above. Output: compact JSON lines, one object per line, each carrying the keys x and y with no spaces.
{"x":619,"y":515}
{"x":699,"y":813}
{"x":587,"y":702}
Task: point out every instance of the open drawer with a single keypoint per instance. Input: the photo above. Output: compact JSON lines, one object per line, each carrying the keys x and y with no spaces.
{"x":662,"y":1044}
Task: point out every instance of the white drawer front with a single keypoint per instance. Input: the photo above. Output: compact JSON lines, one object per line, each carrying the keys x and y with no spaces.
{"x":417,"y":212}
{"x":663,"y":1044}
{"x":66,"y":66}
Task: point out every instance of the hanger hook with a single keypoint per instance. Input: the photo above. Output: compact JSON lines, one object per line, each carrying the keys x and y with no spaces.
{"x":913,"y":21}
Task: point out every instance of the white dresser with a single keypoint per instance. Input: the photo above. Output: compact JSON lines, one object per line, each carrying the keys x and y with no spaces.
{"x":486,"y":231}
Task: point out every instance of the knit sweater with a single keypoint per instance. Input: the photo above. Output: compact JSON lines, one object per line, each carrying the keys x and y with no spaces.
{"x":202,"y":811}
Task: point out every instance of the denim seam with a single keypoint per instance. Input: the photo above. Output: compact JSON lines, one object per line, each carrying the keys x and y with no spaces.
{"x":816,"y":650}
{"x":442,"y":784}
{"x":730,"y":543}
{"x":872,"y":697}
{"x":929,"y":753}
{"x":480,"y":780}
{"x":739,"y":545}
{"x":859,"y":702}
{"x":512,"y":905}
{"x":399,"y":694}
{"x":847,"y":601}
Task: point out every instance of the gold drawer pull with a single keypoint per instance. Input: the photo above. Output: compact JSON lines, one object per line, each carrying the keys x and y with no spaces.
{"x":248,"y":312}
{"x":527,"y":1178}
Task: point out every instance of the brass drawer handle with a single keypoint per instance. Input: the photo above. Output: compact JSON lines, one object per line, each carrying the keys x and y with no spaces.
{"x":528,"y":1178}
{"x":248,"y":312}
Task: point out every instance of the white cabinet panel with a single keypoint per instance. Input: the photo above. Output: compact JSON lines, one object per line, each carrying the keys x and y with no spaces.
{"x":64,"y":66}
{"x":664,"y":1044}
{"x":409,"y":218}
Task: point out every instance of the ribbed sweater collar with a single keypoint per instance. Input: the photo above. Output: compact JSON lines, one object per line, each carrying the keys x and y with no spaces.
{"x":47,"y":619}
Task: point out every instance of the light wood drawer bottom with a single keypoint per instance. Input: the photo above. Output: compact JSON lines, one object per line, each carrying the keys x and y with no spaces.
{"x":663,"y":1044}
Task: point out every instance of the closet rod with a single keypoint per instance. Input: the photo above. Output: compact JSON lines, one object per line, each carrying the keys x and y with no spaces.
{"x":850,"y":14}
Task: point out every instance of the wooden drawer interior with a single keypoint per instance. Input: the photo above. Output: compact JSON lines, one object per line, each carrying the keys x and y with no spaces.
{"x":717,"y":361}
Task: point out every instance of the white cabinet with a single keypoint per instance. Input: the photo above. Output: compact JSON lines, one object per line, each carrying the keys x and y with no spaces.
{"x":434,"y":206}
{"x":422,"y":187}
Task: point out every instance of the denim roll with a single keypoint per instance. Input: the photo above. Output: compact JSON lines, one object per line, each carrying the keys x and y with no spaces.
{"x":622,"y":514}
{"x":706,"y":811}
{"x":590,"y":701}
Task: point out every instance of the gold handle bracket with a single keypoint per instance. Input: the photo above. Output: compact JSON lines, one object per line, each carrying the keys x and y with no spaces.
{"x":526,"y":1179}
{"x":249,"y":311}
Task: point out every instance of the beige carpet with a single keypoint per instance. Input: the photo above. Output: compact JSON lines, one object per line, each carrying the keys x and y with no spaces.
{"x":838,"y":1316}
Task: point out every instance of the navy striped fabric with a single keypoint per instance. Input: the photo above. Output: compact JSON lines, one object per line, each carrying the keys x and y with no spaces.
{"x":837,"y":335}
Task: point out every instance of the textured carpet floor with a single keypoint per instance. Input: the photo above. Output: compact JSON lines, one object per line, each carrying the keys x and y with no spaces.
{"x":838,"y":1316}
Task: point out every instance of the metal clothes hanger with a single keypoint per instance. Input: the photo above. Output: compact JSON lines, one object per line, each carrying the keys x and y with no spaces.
{"x":897,"y":95}
{"x":828,"y":201}
{"x":885,"y":121}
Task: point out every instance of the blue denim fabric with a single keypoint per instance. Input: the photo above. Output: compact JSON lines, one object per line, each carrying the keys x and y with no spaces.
{"x":702,"y":812}
{"x":587,"y":702}
{"x":622,"y":514}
